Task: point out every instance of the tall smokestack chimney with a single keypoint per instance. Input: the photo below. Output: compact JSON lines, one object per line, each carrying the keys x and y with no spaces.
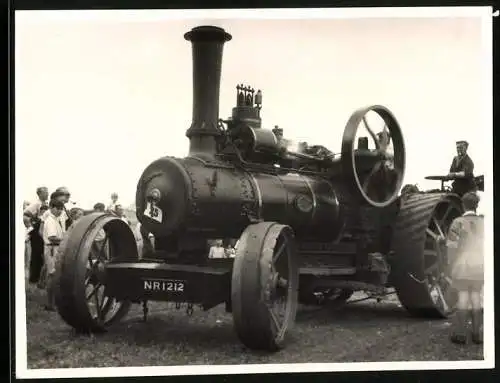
{"x":208,"y":43}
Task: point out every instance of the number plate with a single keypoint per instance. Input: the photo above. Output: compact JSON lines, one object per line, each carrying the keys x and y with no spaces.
{"x":153,"y":212}
{"x":164,"y":285}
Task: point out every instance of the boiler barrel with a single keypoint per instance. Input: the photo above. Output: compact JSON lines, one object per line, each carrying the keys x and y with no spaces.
{"x":216,"y":200}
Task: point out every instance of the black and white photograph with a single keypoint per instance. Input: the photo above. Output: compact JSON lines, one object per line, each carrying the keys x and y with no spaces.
{"x":252,"y":191}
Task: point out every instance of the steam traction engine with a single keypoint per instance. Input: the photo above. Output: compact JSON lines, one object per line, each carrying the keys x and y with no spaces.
{"x":311,"y":226}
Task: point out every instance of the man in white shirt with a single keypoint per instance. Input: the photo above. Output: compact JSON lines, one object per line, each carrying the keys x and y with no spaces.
{"x":32,"y":219}
{"x":63,"y":217}
{"x":52,"y":236}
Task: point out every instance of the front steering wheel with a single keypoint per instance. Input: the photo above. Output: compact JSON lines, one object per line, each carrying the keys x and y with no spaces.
{"x":377,"y":173}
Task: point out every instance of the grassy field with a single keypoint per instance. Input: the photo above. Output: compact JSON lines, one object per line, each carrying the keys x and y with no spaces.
{"x":358,"y":332}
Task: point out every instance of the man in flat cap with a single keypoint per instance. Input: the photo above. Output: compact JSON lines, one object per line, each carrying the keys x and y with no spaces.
{"x":462,"y":169}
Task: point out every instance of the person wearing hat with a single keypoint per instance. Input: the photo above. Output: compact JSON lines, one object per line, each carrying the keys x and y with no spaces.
{"x":65,"y":197}
{"x":75,"y":213}
{"x":114,"y":201}
{"x":120,"y":213}
{"x":52,"y":236}
{"x":32,"y":220}
{"x":465,"y":244}
{"x":99,"y":207}
{"x":60,"y":196}
{"x":64,"y":217}
{"x":462,"y":169}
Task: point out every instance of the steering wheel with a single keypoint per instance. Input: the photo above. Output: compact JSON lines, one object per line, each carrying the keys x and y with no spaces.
{"x":379,"y":183}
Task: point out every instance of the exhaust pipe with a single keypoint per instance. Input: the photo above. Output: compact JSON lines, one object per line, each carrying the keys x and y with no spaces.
{"x":207,"y":43}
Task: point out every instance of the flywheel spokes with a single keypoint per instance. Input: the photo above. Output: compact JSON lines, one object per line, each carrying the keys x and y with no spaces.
{"x":376,"y":170}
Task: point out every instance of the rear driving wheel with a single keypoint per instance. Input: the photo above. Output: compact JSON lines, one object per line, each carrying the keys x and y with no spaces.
{"x":421,"y":265}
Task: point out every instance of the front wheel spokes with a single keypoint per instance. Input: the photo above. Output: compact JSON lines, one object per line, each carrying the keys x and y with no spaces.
{"x":276,"y":256}
{"x":95,"y":288}
{"x":102,"y":253}
{"x":279,"y":291}
{"x":277,"y":312}
{"x":100,"y":303}
{"x":96,"y":260}
{"x":97,"y":304}
{"x":278,"y":252}
{"x":275,"y":320}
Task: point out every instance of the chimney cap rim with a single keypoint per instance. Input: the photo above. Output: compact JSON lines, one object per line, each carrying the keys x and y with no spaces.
{"x":207,"y":33}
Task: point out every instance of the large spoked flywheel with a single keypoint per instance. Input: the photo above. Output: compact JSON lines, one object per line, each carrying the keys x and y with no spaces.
{"x":376,"y":171}
{"x":264,"y":285}
{"x":80,"y":294}
{"x":421,"y":266}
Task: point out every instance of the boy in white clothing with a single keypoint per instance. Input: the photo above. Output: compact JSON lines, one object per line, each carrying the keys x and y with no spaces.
{"x":63,"y":217}
{"x":52,"y":236}
{"x":465,"y":244}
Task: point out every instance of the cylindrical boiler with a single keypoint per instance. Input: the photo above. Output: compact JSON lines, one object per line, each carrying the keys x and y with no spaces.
{"x":218,"y":200}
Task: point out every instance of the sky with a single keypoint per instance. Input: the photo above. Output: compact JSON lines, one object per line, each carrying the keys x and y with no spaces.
{"x":98,"y":99}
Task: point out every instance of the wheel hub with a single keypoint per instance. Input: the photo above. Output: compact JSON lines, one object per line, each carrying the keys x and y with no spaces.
{"x":279,"y":286}
{"x":97,"y":272}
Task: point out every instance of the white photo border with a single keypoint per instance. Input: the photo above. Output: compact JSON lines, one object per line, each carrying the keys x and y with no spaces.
{"x":485,"y":13}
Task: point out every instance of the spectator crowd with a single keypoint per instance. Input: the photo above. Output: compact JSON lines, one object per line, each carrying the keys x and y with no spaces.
{"x":49,"y":219}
